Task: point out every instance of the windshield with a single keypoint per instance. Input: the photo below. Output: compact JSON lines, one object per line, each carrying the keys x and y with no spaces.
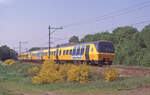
{"x":106,"y":47}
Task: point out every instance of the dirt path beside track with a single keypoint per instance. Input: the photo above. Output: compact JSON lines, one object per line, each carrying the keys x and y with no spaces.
{"x":125,"y":72}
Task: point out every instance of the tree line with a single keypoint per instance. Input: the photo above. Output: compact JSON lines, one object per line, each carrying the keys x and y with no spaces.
{"x":131,"y":45}
{"x":7,"y":53}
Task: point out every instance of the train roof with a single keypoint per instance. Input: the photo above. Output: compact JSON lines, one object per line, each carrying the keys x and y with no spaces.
{"x":68,"y":44}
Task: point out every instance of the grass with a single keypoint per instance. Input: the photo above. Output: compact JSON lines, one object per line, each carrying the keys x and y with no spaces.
{"x":15,"y":80}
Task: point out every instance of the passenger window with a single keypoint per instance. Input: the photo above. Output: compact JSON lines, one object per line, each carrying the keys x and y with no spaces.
{"x":67,"y":52}
{"x":60,"y":52}
{"x":78,"y":51}
{"x":56,"y":52}
{"x":64,"y":52}
{"x":82,"y":51}
{"x":71,"y":52}
{"x":74,"y":51}
{"x":87,"y":49}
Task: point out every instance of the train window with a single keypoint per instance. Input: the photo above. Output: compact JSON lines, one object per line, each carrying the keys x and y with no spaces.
{"x":64,"y":52}
{"x":67,"y":52}
{"x":57,"y":52}
{"x":74,"y":51}
{"x":87,"y":49}
{"x":60,"y":52}
{"x":106,"y":47}
{"x":78,"y":51}
{"x":54,"y":52}
{"x":38,"y":54}
{"x":82,"y":51}
{"x":71,"y":52}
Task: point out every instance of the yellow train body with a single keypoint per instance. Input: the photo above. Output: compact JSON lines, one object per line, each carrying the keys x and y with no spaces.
{"x":100,"y":52}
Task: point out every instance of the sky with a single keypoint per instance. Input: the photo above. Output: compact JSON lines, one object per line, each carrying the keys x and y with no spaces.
{"x":28,"y":20}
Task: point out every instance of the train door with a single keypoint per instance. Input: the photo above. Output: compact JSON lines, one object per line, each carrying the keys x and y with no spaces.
{"x":87,"y":52}
{"x":57,"y":55}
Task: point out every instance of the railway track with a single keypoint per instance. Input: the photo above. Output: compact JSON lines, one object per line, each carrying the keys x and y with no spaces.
{"x":123,"y":71}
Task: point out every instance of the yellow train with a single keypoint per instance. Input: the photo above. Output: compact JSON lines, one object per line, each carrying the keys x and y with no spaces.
{"x":99,"y":52}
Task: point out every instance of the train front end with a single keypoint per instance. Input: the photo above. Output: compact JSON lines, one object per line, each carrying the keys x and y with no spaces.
{"x":106,"y":52}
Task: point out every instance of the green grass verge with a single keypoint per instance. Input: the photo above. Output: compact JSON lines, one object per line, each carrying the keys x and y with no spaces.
{"x":15,"y":80}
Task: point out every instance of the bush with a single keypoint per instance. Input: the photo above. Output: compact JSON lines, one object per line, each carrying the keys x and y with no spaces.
{"x":54,"y":73}
{"x":48,"y":74}
{"x":78,"y":73}
{"x":9,"y":62}
{"x":34,"y":70}
{"x":111,"y":74}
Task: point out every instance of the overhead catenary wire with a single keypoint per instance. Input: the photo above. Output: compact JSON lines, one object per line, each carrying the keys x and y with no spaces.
{"x":107,"y":16}
{"x":110,"y":29}
{"x":137,"y":23}
{"x":56,"y":39}
{"x":112,"y":14}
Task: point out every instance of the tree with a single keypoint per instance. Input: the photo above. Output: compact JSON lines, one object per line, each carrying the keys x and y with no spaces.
{"x":7,"y":53}
{"x":87,"y":38}
{"x":74,"y":39}
{"x":146,"y":35}
{"x":122,"y":34}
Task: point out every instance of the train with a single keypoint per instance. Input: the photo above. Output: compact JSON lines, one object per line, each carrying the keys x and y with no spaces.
{"x":97,"y":53}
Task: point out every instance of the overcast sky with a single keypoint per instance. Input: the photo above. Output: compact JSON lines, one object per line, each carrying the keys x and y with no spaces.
{"x":28,"y":20}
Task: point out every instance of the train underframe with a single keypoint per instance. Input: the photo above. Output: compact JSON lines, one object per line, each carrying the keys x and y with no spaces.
{"x":91,"y":62}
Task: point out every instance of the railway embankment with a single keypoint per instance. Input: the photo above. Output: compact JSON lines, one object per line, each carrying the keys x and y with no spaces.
{"x":15,"y":80}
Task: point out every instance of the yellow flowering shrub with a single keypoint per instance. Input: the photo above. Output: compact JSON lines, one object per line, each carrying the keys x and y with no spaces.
{"x":111,"y":74}
{"x":54,"y":73}
{"x":73,"y":74}
{"x":33,"y":70}
{"x":49,"y":73}
{"x":9,"y":62}
{"x":78,"y":73}
{"x":63,"y":69}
